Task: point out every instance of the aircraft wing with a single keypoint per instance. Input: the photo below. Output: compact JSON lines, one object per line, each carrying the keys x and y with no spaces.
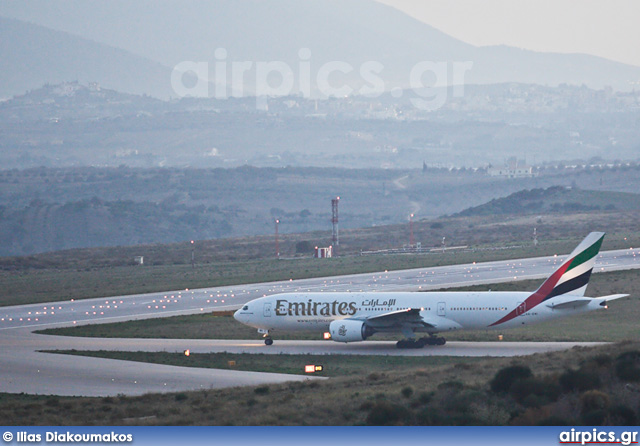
{"x":395,"y":319}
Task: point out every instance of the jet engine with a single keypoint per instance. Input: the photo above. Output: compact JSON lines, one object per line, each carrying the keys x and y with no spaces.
{"x":347,"y":330}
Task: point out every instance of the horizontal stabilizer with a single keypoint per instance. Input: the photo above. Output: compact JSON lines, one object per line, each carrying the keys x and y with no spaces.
{"x":611,"y":297}
{"x":571,"y":304}
{"x":580,"y":301}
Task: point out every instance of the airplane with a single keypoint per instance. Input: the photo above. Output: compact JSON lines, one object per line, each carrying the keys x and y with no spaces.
{"x":354,"y":317}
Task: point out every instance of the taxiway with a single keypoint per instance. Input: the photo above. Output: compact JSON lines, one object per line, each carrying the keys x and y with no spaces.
{"x":23,"y":368}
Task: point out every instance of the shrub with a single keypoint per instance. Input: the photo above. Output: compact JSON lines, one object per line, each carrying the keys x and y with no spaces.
{"x":181,"y":396}
{"x":537,"y":391}
{"x":504,"y":379}
{"x":303,"y":247}
{"x":386,"y":414}
{"x":594,"y":400}
{"x":366,"y":405}
{"x":373,"y":376}
{"x":533,"y":400}
{"x":455,"y":386}
{"x":579,"y":380}
{"x":425,"y":397}
{"x":595,"y":417}
{"x":431,"y":416}
{"x":463,"y":401}
{"x":622,"y":416}
{"x":628,"y":366}
{"x":602,"y":360}
{"x":52,"y":402}
{"x":553,"y":420}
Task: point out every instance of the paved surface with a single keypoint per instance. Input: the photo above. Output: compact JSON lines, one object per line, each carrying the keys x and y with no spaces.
{"x":209,"y":299}
{"x":253,"y":346}
{"x":24,"y":369}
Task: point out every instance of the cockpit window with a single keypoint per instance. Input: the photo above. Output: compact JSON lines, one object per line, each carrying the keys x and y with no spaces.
{"x":245,"y":308}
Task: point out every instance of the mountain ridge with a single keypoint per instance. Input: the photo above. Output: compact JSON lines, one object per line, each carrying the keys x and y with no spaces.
{"x":32,"y":55}
{"x":555,"y":199}
{"x":355,"y":32}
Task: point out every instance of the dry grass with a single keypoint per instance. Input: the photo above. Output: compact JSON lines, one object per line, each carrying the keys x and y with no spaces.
{"x":459,"y":392}
{"x":102,"y":272}
{"x":334,"y":365}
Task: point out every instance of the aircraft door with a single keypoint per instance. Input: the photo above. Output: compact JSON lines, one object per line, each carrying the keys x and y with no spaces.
{"x":442,"y":308}
{"x":267,"y":310}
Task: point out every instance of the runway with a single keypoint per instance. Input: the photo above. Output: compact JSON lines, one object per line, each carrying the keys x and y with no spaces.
{"x":177,"y":302}
{"x":29,"y":371}
{"x":254,"y":346}
{"x":24,"y":369}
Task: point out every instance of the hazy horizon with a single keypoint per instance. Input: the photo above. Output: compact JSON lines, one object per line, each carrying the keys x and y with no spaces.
{"x":109,"y":138}
{"x":594,"y":27}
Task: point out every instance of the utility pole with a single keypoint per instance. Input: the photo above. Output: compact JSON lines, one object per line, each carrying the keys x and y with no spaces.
{"x":277,"y":241}
{"x":411,"y":242}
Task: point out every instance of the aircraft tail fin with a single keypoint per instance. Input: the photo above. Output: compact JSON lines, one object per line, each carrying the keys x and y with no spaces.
{"x":572,"y":277}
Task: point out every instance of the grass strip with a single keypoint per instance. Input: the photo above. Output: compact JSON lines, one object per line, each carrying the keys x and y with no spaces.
{"x":333,"y":365}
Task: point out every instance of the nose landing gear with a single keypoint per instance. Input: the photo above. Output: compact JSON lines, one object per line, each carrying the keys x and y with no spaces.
{"x":266,"y":336}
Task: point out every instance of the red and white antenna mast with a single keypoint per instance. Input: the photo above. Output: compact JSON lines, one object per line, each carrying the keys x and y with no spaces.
{"x":334,"y":220}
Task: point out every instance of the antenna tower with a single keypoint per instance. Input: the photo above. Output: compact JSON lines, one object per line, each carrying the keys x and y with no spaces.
{"x":335,"y":238}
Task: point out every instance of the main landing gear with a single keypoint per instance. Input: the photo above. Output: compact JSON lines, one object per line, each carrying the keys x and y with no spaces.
{"x":420,"y":343}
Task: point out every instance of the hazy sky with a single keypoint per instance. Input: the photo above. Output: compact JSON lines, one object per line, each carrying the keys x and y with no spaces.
{"x":607,"y":28}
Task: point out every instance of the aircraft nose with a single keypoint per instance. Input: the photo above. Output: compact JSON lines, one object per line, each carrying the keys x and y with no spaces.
{"x":241,"y":314}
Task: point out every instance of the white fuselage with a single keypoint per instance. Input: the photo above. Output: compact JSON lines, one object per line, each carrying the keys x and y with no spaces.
{"x":448,"y":310}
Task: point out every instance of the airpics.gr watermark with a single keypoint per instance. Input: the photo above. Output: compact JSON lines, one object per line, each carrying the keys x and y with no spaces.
{"x":596,"y":436}
{"x":428,"y":80}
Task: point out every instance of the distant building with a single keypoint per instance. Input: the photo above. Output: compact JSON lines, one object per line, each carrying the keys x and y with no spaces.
{"x":512,"y":169}
{"x":323,"y":253}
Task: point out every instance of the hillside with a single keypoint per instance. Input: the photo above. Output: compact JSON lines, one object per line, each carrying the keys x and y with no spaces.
{"x":72,"y":101}
{"x":556,"y":199}
{"x":32,"y":55}
{"x":76,"y":124}
{"x":50,"y":209}
{"x":357,"y":31}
